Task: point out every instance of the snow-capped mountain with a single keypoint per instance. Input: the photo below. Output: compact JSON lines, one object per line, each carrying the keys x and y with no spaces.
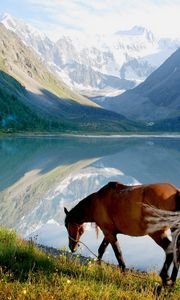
{"x":98,"y":63}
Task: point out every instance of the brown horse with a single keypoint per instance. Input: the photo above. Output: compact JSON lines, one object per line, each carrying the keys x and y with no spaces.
{"x":117,"y":208}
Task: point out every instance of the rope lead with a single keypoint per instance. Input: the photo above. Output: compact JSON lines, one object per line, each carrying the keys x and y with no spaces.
{"x":85,"y":246}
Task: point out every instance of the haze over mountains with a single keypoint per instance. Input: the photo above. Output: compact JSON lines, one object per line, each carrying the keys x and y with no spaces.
{"x":100,"y":64}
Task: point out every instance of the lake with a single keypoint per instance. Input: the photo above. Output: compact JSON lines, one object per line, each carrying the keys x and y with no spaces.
{"x":41,"y":175}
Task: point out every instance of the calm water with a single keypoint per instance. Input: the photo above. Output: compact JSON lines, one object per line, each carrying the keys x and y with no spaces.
{"x":39,"y":176}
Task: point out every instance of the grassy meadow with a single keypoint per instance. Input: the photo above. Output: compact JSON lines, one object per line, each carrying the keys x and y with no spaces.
{"x":28,"y":273}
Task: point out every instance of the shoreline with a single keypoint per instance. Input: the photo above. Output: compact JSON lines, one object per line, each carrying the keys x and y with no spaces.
{"x":55,"y":252}
{"x":99,"y":136}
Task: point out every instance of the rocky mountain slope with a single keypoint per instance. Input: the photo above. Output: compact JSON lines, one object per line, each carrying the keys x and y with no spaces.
{"x":100,"y":64}
{"x":157,"y":98}
{"x":27,"y":88}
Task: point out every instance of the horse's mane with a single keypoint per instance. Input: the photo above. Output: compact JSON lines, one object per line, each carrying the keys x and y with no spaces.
{"x":115,"y":185}
{"x":77,"y":212}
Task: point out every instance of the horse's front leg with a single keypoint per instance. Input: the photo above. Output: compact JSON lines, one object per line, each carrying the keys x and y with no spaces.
{"x":117,"y":251}
{"x":102,"y":249}
{"x":111,"y":237}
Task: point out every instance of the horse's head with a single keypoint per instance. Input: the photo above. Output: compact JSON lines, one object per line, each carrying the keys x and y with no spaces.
{"x":74,"y":231}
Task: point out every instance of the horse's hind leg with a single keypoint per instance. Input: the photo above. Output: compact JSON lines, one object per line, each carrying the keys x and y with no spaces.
{"x":102,"y":249}
{"x":176,"y":266}
{"x":168,"y":261}
{"x":164,"y":272}
{"x":174,"y":273}
{"x":165,"y":243}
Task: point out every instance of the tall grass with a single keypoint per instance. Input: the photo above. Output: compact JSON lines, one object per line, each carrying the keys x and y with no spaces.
{"x":28,"y":273}
{"x":20,"y":258}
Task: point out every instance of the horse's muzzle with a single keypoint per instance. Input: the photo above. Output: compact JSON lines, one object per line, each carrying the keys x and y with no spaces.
{"x":73,"y":248}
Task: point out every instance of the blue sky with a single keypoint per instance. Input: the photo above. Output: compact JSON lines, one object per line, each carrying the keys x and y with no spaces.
{"x":97,"y":16}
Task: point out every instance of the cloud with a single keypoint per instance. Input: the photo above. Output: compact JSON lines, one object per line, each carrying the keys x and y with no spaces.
{"x":107,"y":16}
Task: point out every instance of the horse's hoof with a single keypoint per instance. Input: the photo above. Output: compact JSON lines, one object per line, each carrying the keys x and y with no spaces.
{"x":99,"y":262}
{"x":168,"y":283}
{"x":123,"y":269}
{"x":127,"y":270}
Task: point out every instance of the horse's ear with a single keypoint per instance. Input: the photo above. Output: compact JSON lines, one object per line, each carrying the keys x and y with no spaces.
{"x":66,"y":211}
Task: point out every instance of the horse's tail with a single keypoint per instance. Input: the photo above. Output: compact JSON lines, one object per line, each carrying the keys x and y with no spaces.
{"x":176,"y":247}
{"x":158,"y":219}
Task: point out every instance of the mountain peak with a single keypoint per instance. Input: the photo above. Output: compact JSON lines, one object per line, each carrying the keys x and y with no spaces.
{"x":20,"y":27}
{"x":136,"y":31}
{"x":8,"y":21}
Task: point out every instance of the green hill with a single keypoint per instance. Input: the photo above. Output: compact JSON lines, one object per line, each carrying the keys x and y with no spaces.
{"x":33,"y":99}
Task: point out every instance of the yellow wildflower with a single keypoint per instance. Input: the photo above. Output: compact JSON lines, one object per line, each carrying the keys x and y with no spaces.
{"x":24,"y":291}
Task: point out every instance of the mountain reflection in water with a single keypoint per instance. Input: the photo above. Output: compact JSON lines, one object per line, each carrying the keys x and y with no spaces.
{"x":41,"y":175}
